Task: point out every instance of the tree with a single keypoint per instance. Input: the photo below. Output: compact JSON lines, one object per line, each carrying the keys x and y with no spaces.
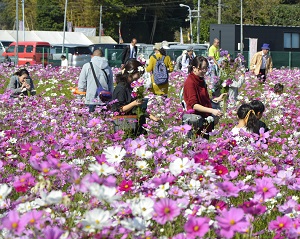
{"x":50,"y":16}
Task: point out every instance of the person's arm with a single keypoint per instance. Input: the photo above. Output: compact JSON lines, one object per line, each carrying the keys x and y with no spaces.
{"x":124,"y":53}
{"x":211,"y":54}
{"x":271,"y":65}
{"x":83,"y":78}
{"x":121,"y":106}
{"x":150,"y":66}
{"x":13,"y":85}
{"x":169,"y":64}
{"x":204,"y":109}
{"x":110,"y":82}
{"x":183,"y":61}
{"x":253,"y":63}
{"x":190,"y":97}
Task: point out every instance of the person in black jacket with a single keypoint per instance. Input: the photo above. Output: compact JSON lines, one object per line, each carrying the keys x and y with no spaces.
{"x":129,"y":52}
{"x":125,"y":105}
{"x":259,"y":109}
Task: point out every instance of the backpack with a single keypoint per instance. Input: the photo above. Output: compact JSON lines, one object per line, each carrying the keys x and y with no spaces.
{"x":160,"y":72}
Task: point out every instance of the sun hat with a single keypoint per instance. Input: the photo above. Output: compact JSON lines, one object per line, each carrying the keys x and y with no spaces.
{"x":265,"y":46}
{"x":190,"y":48}
{"x":157,"y":46}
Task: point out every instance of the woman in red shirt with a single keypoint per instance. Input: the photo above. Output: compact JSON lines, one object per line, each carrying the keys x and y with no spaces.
{"x":196,"y":95}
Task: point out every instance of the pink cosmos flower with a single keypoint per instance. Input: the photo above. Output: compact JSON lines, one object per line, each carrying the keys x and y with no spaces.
{"x":126,"y":185}
{"x":12,"y":222}
{"x":52,"y":232}
{"x":221,"y":170}
{"x":32,"y":217}
{"x":182,"y":128}
{"x":165,"y":210}
{"x":196,"y":226}
{"x":281,"y":223}
{"x":232,"y":221}
{"x":23,"y":182}
{"x":264,"y":189}
{"x":29,"y":148}
{"x":227,"y":189}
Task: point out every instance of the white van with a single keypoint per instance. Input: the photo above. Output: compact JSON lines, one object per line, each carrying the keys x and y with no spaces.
{"x":77,"y":55}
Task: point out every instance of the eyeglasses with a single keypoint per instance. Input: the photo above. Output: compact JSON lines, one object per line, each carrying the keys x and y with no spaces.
{"x":202,"y":68}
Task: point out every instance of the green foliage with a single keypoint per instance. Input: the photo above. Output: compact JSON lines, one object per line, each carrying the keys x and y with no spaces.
{"x":50,"y":16}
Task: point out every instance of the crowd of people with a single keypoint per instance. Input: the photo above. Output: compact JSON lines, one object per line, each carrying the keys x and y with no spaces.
{"x":198,"y":105}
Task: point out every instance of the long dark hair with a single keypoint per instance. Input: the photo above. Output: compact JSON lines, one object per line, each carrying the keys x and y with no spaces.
{"x":22,"y":72}
{"x":162,"y":51}
{"x":131,"y":67}
{"x":247,"y":113}
{"x":197,"y":62}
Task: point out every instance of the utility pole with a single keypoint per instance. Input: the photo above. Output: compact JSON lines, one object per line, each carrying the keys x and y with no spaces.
{"x":65,"y":19}
{"x":17,"y":29}
{"x":241,"y":44}
{"x":219,"y":11}
{"x":100,"y":24}
{"x":23,"y":12}
{"x":198,"y":23}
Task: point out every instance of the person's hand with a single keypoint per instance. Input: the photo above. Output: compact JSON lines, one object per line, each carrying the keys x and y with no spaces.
{"x":220,"y":98}
{"x":27,"y":86}
{"x":217,"y":112}
{"x":138,"y":102}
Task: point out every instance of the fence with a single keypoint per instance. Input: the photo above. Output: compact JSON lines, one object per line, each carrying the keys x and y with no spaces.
{"x":280,"y":59}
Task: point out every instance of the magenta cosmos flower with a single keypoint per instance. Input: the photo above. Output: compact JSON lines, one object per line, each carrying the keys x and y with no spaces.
{"x":281,"y":223}
{"x":264,"y":189}
{"x":232,"y":221}
{"x":165,"y":210}
{"x":126,"y":185}
{"x":196,"y":227}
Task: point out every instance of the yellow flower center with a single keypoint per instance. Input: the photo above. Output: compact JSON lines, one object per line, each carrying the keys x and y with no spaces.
{"x":220,"y":171}
{"x":167,"y":210}
{"x":32,"y":221}
{"x":14,"y":225}
{"x":45,"y":170}
{"x":232,"y":222}
{"x":126,"y":186}
{"x":196,"y":228}
{"x":281,"y":225}
{"x":265,"y":189}
{"x":97,"y":222}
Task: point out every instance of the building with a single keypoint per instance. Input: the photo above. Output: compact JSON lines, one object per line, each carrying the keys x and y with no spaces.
{"x":284,"y":40}
{"x":280,"y":38}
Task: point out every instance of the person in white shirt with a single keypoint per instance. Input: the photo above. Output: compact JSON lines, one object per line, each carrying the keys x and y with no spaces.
{"x":64,"y":63}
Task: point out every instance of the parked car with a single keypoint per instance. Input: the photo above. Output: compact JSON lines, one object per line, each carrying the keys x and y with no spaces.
{"x":77,"y":55}
{"x":3,"y":46}
{"x":29,"y":52}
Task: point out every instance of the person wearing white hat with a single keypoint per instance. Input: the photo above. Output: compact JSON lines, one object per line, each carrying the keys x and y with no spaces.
{"x":187,"y":58}
{"x":261,"y":63}
{"x":159,"y":52}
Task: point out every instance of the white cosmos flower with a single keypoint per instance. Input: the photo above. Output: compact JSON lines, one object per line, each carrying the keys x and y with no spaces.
{"x":135,"y":224}
{"x":54,"y":197}
{"x":143,"y":208}
{"x":102,"y":169}
{"x":12,"y":140}
{"x":2,"y":134}
{"x":4,"y":191}
{"x":210,"y":119}
{"x":161,"y":191}
{"x":179,"y":165}
{"x":143,"y":153}
{"x":194,"y":184}
{"x":103,"y":193}
{"x":114,"y":154}
{"x":95,"y":219}
{"x":142,"y":165}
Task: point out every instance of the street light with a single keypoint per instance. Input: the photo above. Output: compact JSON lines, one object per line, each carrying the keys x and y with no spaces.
{"x":190,"y":17}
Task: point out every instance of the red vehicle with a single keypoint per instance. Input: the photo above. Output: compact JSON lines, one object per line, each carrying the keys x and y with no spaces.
{"x":29,"y":52}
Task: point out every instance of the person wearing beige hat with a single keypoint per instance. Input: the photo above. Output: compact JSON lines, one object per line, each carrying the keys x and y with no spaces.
{"x":159,"y":52}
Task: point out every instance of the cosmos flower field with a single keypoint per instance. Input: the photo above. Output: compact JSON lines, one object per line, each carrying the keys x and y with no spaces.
{"x":67,"y":174}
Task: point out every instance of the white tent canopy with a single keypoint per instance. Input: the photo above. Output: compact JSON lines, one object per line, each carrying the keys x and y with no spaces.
{"x":53,"y":37}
